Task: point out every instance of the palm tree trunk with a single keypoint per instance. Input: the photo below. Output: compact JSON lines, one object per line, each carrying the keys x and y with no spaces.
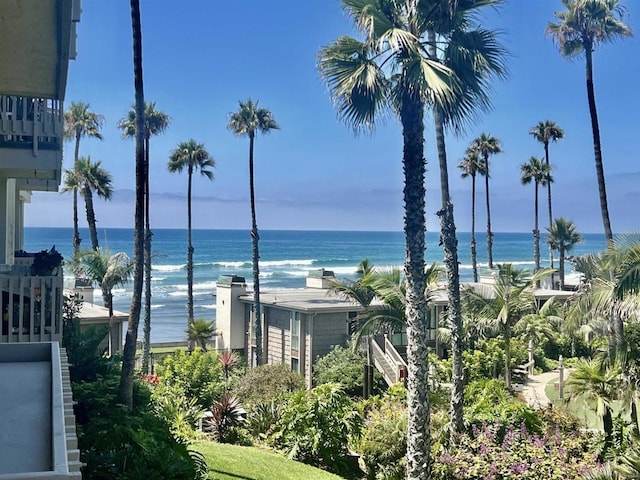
{"x":536,"y":234}
{"x":450,"y":244}
{"x":189,"y":258}
{"x":76,"y":230}
{"x":91,"y":217}
{"x":257,"y":320}
{"x":418,"y":434}
{"x":561,"y":268}
{"x":607,"y":424}
{"x":146,"y":348}
{"x":128,"y":357}
{"x":507,"y":354}
{"x":597,"y":148}
{"x":546,"y":159}
{"x":489,"y":234}
{"x":474,"y":260}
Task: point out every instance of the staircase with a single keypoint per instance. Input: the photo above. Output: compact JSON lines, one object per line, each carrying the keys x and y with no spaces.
{"x":387,"y":360}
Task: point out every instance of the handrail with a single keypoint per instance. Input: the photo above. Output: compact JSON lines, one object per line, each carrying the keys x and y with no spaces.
{"x":393,"y":353}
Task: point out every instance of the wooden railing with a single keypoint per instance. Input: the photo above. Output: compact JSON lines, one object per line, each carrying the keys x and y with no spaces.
{"x":31,"y":308}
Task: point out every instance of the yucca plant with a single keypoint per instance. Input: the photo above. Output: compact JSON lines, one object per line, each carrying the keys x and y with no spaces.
{"x":226,"y":415}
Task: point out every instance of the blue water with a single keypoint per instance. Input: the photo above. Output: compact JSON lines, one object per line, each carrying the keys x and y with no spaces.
{"x":285,"y":259}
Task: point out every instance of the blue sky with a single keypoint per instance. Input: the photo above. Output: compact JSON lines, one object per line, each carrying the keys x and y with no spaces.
{"x":201,"y":57}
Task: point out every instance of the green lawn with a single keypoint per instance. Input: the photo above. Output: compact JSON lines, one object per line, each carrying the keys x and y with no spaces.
{"x":577,"y":406}
{"x":230,"y":462}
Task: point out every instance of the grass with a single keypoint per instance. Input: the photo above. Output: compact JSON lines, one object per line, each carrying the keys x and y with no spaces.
{"x":231,"y":462}
{"x":577,"y":406}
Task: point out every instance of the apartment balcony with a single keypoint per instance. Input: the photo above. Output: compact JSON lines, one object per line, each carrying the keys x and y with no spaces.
{"x":31,"y":304}
{"x":31,"y":136}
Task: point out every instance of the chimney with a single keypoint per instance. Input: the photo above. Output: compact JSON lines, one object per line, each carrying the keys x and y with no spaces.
{"x":320,"y":278}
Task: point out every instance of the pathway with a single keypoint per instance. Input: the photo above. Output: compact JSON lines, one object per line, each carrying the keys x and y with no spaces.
{"x":533,"y":390}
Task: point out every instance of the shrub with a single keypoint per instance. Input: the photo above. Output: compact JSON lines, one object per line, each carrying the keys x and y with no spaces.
{"x":266,"y":382}
{"x":198,"y":374}
{"x":227,"y":414}
{"x":345,"y":366}
{"x":316,"y":426}
{"x":182,"y":414}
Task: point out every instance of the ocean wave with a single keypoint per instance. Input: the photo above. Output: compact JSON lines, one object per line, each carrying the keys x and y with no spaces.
{"x":208,"y":307}
{"x":184,"y":293}
{"x":198,"y":286}
{"x":168,"y":268}
{"x":156,"y":306}
{"x":287,"y":263}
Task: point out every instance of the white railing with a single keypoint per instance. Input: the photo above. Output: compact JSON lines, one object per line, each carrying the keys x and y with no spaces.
{"x":30,"y":121}
{"x":31,"y":308}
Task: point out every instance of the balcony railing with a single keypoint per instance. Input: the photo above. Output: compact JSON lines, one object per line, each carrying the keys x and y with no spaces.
{"x":31,"y":308}
{"x":27,"y":122}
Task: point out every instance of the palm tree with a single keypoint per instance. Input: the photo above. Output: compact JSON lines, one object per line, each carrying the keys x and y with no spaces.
{"x":156,"y":122}
{"x":472,"y":166}
{"x":512,"y":298}
{"x":200,"y":332}
{"x":583,"y":26}
{"x":539,"y":325}
{"x":544,"y":132}
{"x":88,"y":177}
{"x":487,"y":145}
{"x":192,"y":157}
{"x":109,"y":271}
{"x":598,"y":383}
{"x":129,"y":354}
{"x":562,"y":236}
{"x":475,"y":56}
{"x":248,"y":121}
{"x":391,"y":70}
{"x":540,"y":173}
{"x":80,"y":121}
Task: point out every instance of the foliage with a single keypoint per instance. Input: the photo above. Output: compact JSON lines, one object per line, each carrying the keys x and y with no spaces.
{"x":226,"y":415}
{"x":316,"y":427}
{"x":198,"y":374}
{"x":178,"y":411}
{"x":266,"y":382}
{"x":487,"y":360}
{"x":343,"y":365}
{"x":200,"y":332}
{"x":121,"y":443}
{"x":484,"y":454}
{"x":46,"y":262}
{"x":263,"y":418}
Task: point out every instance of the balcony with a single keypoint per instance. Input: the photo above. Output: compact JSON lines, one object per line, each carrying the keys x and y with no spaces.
{"x":31,"y":304}
{"x":31,"y":134}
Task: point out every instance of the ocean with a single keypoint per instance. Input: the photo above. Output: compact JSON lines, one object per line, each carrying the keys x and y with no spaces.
{"x":285,"y":259}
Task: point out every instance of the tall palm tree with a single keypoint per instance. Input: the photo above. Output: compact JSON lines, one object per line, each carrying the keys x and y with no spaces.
{"x":391,"y":70}
{"x":129,"y":354}
{"x":156,"y":122}
{"x":474,"y":55}
{"x":192,"y":157}
{"x":88,"y":177}
{"x":562,"y":236}
{"x":108,"y":271}
{"x":583,"y":26}
{"x":249,"y":120}
{"x":545,"y":132}
{"x":80,"y":121}
{"x":512,"y":298}
{"x":472,"y":166}
{"x":539,"y":173}
{"x":487,"y":145}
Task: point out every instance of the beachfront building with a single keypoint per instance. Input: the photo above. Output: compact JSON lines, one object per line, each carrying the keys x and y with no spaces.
{"x":38,"y":440}
{"x":303,"y":324}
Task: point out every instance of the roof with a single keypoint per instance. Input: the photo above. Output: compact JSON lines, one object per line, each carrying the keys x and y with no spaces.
{"x":91,"y":311}
{"x":311,"y":300}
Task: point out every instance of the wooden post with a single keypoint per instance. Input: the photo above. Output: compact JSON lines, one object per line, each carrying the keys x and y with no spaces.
{"x":561,"y":379}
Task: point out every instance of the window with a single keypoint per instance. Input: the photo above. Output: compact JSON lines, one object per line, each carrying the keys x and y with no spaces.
{"x":295,"y":365}
{"x":295,"y":331}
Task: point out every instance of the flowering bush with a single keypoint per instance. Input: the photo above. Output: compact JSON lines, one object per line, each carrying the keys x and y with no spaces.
{"x":481,"y":455}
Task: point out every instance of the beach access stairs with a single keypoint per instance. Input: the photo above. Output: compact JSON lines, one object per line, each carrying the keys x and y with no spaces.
{"x":386,"y":359}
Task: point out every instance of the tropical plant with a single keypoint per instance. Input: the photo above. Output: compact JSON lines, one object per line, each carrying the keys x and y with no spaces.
{"x":155,"y":123}
{"x":472,"y":166}
{"x":598,"y":383}
{"x":392,"y":70}
{"x":267,"y":382}
{"x":316,"y":427}
{"x":182,"y":414}
{"x":200,"y":332}
{"x":108,"y":271}
{"x":512,"y":298}
{"x":130,"y":346}
{"x":229,"y":360}
{"x":192,"y":157}
{"x":562,"y":236}
{"x":227,"y":414}
{"x":249,"y":120}
{"x":80,"y":121}
{"x":583,"y":26}
{"x":538,"y":326}
{"x":88,"y":177}
{"x":341,"y":365}
{"x":486,"y":145}
{"x":545,"y":132}
{"x":539,"y":173}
